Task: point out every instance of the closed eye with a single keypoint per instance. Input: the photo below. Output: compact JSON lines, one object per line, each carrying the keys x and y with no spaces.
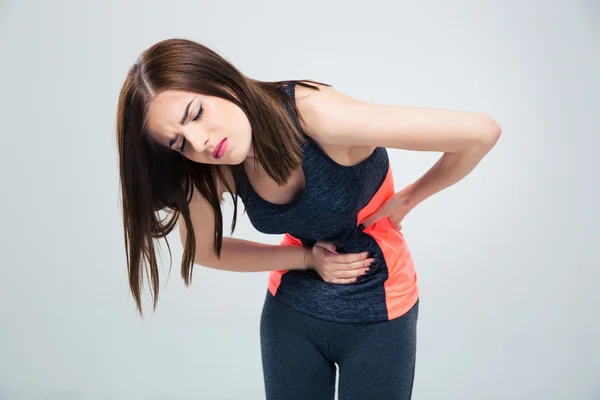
{"x":174,"y":141}
{"x":200,"y":112}
{"x":181,"y":148}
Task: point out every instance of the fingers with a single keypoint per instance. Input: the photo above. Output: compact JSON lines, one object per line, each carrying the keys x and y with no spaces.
{"x":366,"y":263}
{"x":343,"y":281}
{"x":345,"y":275}
{"x":352,"y":273}
{"x":345,"y":268}
{"x":370,"y":220}
{"x":348,"y":276}
{"x":352,"y":258}
{"x":338,"y":256}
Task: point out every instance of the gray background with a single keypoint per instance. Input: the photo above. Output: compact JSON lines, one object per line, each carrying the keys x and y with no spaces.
{"x":507,"y":259}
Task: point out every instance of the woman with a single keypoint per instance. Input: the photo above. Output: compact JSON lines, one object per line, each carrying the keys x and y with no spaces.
{"x":310,"y":163}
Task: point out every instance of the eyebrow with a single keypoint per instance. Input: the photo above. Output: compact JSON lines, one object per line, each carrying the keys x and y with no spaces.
{"x":185,"y":115}
{"x":187,"y":110}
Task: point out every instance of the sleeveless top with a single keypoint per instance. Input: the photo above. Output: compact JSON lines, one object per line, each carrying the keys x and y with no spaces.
{"x":335,"y":200}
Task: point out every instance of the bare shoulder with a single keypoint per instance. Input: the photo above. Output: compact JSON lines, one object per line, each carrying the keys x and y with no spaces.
{"x":314,"y":105}
{"x":317,"y":108}
{"x":336,"y":119}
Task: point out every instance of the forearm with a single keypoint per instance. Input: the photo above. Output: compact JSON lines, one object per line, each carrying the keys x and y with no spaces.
{"x":448,"y":170}
{"x":240,"y":255}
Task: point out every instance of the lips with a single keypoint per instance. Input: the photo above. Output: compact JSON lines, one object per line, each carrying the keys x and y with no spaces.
{"x":216,"y":152}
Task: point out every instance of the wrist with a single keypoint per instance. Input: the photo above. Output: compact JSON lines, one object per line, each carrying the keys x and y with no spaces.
{"x":307,"y":258}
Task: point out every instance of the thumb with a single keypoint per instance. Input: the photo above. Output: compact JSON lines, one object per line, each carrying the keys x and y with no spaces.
{"x":370,"y":220}
{"x":326,"y":245}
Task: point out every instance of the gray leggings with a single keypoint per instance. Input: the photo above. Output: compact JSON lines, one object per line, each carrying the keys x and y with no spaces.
{"x":376,"y":360}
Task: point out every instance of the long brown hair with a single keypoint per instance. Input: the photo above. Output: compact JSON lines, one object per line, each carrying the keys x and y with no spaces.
{"x":154,"y":178}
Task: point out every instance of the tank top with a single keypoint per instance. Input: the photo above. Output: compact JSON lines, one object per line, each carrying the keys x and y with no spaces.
{"x":334,"y":202}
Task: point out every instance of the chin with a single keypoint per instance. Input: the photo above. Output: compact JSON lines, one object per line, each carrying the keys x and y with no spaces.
{"x":239,"y":160}
{"x":235,"y":159}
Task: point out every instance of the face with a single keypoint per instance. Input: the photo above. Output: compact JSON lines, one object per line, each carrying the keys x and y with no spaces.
{"x":204,"y":129}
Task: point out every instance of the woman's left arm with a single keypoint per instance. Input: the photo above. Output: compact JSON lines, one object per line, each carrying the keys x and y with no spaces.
{"x":464,"y":137}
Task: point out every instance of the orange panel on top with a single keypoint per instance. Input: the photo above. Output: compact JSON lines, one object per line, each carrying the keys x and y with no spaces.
{"x":275,"y":276}
{"x":401,"y":290}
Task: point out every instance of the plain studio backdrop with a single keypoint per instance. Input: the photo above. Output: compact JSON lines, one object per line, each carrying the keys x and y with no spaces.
{"x":507,"y":259}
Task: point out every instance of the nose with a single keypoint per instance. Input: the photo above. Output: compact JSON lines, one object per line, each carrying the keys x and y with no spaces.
{"x":198,"y":140}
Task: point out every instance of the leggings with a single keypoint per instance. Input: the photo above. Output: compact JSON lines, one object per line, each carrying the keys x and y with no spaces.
{"x":376,"y":361}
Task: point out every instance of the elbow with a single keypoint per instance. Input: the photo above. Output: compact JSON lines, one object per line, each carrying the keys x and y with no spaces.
{"x":491,"y":131}
{"x":484,"y":133}
{"x":481,"y":135}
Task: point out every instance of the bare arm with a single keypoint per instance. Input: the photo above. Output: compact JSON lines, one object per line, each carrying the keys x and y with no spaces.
{"x":334,"y":118}
{"x":448,"y":170}
{"x":246,"y":256}
{"x":240,"y":255}
{"x":237,"y":254}
{"x":463,"y":137}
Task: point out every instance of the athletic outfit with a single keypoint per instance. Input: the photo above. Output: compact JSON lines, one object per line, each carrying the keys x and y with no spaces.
{"x":368,"y":328}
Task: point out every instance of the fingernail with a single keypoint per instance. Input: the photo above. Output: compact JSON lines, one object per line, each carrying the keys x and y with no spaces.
{"x":361,"y":227}
{"x":373,"y":262}
{"x":339,"y":249}
{"x":359,"y":278}
{"x":370,"y":255}
{"x":368,"y":269}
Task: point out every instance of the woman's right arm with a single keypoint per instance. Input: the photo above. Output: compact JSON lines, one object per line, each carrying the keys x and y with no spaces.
{"x":241,"y":255}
